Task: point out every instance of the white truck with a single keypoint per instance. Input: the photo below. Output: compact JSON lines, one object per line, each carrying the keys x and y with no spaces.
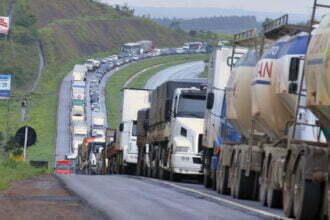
{"x":79,"y":72}
{"x":92,"y":64}
{"x":98,"y":121}
{"x":124,"y":156}
{"x":78,"y":132}
{"x":220,"y":65}
{"x":77,"y":114}
{"x":78,"y":89}
{"x":174,"y":130}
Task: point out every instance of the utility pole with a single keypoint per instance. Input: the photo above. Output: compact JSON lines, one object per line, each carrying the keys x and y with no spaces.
{"x":24,"y":119}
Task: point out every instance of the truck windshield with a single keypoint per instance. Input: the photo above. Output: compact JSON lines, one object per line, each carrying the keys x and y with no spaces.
{"x":98,"y":127}
{"x":130,"y":49}
{"x":191,"y":106}
{"x":96,"y":147}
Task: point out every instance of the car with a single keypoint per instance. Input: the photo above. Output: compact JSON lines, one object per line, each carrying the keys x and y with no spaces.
{"x":135,"y":58}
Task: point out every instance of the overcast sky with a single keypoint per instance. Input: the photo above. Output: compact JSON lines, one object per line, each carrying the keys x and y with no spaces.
{"x":288,"y":6}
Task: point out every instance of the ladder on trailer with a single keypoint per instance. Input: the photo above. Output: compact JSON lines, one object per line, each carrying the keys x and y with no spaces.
{"x":302,"y":91}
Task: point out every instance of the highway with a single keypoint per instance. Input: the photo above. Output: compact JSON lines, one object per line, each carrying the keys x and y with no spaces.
{"x":132,"y":197}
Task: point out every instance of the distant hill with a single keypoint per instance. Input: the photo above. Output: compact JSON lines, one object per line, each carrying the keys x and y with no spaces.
{"x":69,"y":29}
{"x":189,"y":13}
{"x":227,"y":25}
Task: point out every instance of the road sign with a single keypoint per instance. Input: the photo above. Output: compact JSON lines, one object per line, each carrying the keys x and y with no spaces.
{"x":4,"y":25}
{"x":5,"y":86}
{"x":29,"y":133}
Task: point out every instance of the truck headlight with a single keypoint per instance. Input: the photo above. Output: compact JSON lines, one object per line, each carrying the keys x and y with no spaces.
{"x":184,"y":158}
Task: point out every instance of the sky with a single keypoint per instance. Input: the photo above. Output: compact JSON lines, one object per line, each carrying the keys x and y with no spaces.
{"x":288,"y":6}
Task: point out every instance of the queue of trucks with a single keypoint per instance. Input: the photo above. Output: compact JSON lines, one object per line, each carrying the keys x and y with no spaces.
{"x":257,"y":129}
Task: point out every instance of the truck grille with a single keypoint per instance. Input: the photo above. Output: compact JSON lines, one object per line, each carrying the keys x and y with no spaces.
{"x":197,"y":160}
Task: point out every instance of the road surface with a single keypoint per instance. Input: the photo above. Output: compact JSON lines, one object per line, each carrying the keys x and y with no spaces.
{"x":131,"y":197}
{"x":182,"y":71}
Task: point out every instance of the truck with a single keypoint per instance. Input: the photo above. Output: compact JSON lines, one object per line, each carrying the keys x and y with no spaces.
{"x":146,"y":45}
{"x":78,"y":89}
{"x":136,"y":48}
{"x":174,"y":131}
{"x":92,"y":64}
{"x":77,"y":114}
{"x":281,"y":158}
{"x":98,"y":121}
{"x":219,"y":68}
{"x":141,"y":141}
{"x":88,"y":153}
{"x":78,"y":133}
{"x":79,"y":72}
{"x":124,"y":150}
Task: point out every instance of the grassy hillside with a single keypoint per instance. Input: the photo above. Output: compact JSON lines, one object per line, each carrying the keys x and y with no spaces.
{"x":117,"y":81}
{"x":69,"y":32}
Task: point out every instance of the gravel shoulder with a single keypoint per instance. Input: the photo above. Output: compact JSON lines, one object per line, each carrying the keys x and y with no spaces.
{"x":43,"y":197}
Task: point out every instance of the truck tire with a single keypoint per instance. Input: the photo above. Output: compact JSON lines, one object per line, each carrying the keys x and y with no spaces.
{"x":207,"y":182}
{"x":174,"y":177}
{"x":263,"y":194}
{"x":307,"y":196}
{"x":243,"y":186}
{"x":274,"y":198}
{"x":288,"y":196}
{"x":223,"y":181}
{"x":214,"y":180}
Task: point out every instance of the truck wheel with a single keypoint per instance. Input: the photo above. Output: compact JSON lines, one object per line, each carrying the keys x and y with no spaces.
{"x":161,"y":173}
{"x":288,"y":196}
{"x":217,"y":176}
{"x":243,"y":186}
{"x":263,"y":194}
{"x":149,"y":171}
{"x":274,"y":198}
{"x":223,"y":181}
{"x":207,"y":179}
{"x":214,"y":180}
{"x":307,"y":196}
{"x":174,"y":176}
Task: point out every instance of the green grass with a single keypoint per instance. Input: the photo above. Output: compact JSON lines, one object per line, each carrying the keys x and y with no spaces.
{"x":117,"y":81}
{"x":12,"y":171}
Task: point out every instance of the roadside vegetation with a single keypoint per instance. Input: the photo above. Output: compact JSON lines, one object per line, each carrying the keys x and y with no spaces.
{"x":116,"y":82}
{"x":69,"y":32}
{"x":11,"y":170}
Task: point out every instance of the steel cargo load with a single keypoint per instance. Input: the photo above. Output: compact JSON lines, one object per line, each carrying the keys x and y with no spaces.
{"x":161,"y":98}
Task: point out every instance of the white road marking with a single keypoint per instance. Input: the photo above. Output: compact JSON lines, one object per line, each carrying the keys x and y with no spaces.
{"x":265,"y":213}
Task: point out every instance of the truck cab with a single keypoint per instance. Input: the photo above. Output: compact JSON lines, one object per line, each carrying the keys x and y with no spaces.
{"x":77,"y":114}
{"x":187,"y":124}
{"x":128,"y":135}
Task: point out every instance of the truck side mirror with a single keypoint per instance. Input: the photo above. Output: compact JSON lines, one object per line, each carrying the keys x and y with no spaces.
{"x":293,"y":88}
{"x":121,"y":127}
{"x":294,"y":69}
{"x":210,"y":100}
{"x":168,"y":106}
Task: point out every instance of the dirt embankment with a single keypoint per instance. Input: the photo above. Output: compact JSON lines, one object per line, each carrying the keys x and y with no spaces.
{"x":43,"y":197}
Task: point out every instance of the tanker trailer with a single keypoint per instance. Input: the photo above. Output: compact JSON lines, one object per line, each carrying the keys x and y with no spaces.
{"x":317,"y":73}
{"x":220,"y":65}
{"x":281,"y":140}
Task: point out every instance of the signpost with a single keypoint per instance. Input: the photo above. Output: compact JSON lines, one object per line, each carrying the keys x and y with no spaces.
{"x":4,"y":25}
{"x":5,"y":86}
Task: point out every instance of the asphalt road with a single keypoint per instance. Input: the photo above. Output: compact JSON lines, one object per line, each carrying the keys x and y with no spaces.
{"x":182,"y":71}
{"x":131,"y":197}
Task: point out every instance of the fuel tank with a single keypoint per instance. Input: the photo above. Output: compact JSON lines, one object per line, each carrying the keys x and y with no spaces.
{"x":275,"y":82}
{"x":317,"y":72}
